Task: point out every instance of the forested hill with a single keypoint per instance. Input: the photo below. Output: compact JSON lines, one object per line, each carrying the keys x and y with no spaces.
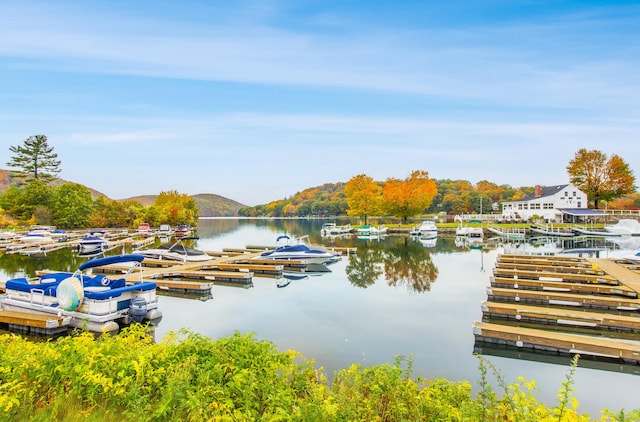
{"x":209,"y":204}
{"x":6,"y":181}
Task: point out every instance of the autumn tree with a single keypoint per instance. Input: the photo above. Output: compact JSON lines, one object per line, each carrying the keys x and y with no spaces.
{"x":409,"y":197}
{"x":599,"y":176}
{"x":173,"y":208}
{"x":364,"y":196}
{"x":36,"y":160}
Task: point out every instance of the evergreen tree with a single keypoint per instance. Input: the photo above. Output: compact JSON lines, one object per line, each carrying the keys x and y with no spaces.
{"x":36,"y":160}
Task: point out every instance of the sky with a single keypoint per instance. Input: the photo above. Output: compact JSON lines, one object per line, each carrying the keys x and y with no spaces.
{"x":258,"y":100}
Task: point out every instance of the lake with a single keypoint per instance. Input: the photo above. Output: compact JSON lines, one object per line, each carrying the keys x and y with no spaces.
{"x":395,"y":296}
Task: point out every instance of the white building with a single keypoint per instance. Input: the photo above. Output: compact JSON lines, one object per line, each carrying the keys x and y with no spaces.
{"x":550,"y":203}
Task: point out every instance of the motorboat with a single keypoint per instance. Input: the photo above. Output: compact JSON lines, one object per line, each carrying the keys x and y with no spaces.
{"x":164,"y":230}
{"x":182,"y":230}
{"x":300,"y":249}
{"x":93,"y":302}
{"x":625,"y":227}
{"x":634,"y":258}
{"x":368,"y":230}
{"x":37,"y":235}
{"x":176,"y":251}
{"x":144,"y":229}
{"x":332,"y":229}
{"x":94,"y":242}
{"x":426,"y":230}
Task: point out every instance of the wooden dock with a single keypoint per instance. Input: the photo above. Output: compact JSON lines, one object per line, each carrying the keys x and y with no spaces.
{"x":563,"y":305}
{"x":35,"y":324}
{"x":193,"y":279}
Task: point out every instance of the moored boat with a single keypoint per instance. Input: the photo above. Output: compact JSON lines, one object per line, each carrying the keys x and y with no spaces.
{"x":40,"y":234}
{"x":96,"y":303}
{"x":176,"y":251}
{"x":332,"y":229}
{"x":182,"y":230}
{"x":95,"y":241}
{"x":624,"y":227}
{"x":288,"y":249}
{"x":426,"y":230}
{"x":368,"y":230}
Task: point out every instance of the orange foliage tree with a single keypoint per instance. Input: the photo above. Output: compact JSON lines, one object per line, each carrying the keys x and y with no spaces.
{"x":601,"y":178}
{"x":364,"y":196}
{"x":409,"y":197}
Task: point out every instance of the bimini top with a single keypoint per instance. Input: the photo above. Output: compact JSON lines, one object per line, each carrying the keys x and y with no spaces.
{"x":116,"y":259}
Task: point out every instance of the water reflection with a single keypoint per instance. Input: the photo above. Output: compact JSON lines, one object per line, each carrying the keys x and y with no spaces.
{"x":364,"y":267}
{"x":410,"y":264}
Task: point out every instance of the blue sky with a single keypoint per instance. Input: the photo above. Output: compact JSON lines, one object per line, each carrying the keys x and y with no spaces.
{"x":258,"y":100}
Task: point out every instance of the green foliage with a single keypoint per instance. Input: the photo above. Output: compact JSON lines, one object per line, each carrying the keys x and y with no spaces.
{"x":187,"y":376}
{"x":111,"y":213}
{"x":23,"y":203}
{"x":71,"y":206}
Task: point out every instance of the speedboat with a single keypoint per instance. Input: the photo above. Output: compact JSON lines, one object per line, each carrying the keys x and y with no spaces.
{"x":37,"y":235}
{"x":95,"y":241}
{"x":299,"y":250}
{"x":164,"y":230}
{"x":182,"y":230}
{"x":368,"y":230}
{"x":635,"y":258}
{"x":332,"y":229}
{"x":176,"y":251}
{"x":426,"y":230}
{"x":626,"y":226}
{"x":96,"y":303}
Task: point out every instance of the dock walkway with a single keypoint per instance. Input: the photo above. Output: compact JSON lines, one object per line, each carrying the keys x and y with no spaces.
{"x":563,"y":305}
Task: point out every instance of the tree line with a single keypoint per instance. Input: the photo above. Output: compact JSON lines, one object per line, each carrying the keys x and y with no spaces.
{"x":33,"y":200}
{"x":601,"y":177}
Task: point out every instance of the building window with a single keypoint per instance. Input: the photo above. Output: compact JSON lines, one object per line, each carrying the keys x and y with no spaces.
{"x":574,"y":193}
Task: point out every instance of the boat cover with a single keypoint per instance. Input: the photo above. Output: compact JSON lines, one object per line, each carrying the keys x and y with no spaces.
{"x":116,"y":259}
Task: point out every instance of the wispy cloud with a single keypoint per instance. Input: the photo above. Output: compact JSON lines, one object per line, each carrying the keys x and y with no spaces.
{"x":519,"y":67}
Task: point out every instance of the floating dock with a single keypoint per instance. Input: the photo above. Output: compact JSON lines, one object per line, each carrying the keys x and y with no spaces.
{"x":563,"y":306}
{"x":34,"y":324}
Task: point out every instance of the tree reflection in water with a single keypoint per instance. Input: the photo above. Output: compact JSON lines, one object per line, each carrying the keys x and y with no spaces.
{"x":407,"y":263}
{"x":364,"y":267}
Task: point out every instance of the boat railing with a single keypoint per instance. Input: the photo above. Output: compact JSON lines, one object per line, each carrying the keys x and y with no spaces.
{"x":37,"y":294}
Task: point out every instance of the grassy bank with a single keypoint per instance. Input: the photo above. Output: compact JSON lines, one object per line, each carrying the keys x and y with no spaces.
{"x":190,"y":377}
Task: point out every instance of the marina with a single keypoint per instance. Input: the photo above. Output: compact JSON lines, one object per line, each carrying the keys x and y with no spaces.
{"x":374,"y":304}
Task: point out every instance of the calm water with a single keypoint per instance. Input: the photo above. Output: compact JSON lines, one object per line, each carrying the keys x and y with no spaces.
{"x":394,"y":297}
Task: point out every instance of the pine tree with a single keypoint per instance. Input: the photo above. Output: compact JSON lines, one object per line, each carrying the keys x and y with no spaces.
{"x":36,"y":160}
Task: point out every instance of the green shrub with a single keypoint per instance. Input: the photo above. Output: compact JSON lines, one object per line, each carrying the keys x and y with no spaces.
{"x":190,"y":377}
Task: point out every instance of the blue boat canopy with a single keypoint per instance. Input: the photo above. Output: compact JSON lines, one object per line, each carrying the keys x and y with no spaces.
{"x":116,"y":259}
